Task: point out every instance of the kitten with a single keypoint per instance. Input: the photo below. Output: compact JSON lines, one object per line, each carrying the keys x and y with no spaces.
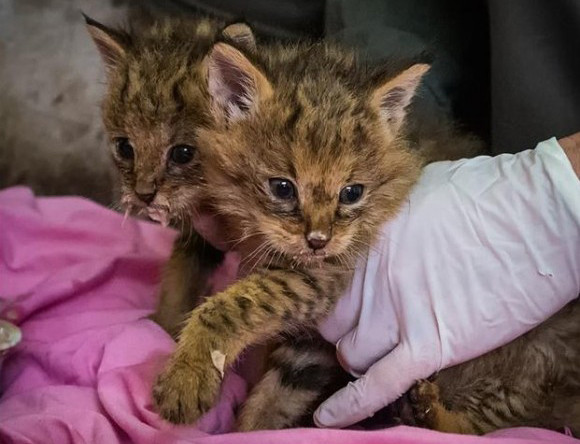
{"x":155,"y":101}
{"x":306,"y":156}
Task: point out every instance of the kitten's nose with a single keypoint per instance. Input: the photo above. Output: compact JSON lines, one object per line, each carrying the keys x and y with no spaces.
{"x":147,"y":197}
{"x":146,"y":192}
{"x":317,"y":240}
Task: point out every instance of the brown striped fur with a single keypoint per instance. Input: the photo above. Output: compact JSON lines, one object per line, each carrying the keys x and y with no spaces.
{"x":313,"y":114}
{"x":302,"y":372}
{"x":157,"y":98}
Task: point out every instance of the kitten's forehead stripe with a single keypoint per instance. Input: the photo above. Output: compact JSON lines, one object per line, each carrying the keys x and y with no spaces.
{"x":292,"y":120}
{"x":319,"y":193}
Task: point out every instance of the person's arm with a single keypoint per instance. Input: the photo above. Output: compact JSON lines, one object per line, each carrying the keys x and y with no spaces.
{"x":571,"y":146}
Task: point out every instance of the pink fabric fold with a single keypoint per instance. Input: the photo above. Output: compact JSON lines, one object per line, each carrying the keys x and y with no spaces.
{"x":82,"y":285}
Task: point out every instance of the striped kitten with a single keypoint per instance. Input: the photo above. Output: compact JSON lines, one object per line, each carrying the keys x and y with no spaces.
{"x":308,"y":153}
{"x":154,"y":103}
{"x":306,"y":156}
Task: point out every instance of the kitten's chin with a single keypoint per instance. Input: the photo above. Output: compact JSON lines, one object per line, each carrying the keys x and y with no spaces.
{"x":159,"y":215}
{"x":309,"y":259}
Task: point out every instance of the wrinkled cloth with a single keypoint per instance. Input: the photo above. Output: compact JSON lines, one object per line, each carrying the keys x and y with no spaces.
{"x":484,"y":250}
{"x":81,"y":285}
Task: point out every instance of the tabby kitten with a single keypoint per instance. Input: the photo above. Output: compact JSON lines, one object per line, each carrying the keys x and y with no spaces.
{"x":153,"y":105}
{"x":305,"y":157}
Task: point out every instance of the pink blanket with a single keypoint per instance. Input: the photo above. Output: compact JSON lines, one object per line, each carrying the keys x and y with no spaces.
{"x":81,"y":286}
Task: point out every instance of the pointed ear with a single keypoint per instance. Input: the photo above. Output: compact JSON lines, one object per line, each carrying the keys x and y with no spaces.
{"x":109,"y":43}
{"x":235,"y":85}
{"x":241,"y":34}
{"x":393,"y":96}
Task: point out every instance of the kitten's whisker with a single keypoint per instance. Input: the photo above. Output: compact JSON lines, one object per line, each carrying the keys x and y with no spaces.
{"x":341,"y":260}
{"x":256,"y":250}
{"x":244,"y":236}
{"x":365,"y":244}
{"x":126,"y":215}
{"x":272,"y":257}
{"x":254,"y":253}
{"x":242,"y":239}
{"x":268,"y":252}
{"x":259,"y":261}
{"x":281,"y":255}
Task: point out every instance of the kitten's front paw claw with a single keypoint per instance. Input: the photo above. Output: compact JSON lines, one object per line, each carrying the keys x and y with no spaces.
{"x":186,"y":390}
{"x":424,"y":397}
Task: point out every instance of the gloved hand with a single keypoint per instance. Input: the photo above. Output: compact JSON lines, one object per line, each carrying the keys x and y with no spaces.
{"x":485,"y":250}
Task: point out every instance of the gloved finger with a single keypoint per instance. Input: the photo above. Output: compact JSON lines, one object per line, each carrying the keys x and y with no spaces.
{"x":374,"y":337}
{"x":385,"y":381}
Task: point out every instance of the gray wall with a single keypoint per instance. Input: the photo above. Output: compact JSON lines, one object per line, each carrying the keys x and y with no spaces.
{"x":51,"y":81}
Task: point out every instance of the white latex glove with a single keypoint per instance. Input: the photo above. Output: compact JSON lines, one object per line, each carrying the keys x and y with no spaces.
{"x":485,"y":250}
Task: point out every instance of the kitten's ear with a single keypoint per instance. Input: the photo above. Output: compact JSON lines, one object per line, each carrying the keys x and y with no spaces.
{"x":241,"y":34}
{"x":235,"y":85}
{"x":109,"y":43}
{"x":393,"y":96}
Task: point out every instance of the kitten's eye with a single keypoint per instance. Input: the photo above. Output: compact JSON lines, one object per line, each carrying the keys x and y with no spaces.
{"x":181,"y":154}
{"x":351,"y":194}
{"x":282,"y":189}
{"x":124,"y":148}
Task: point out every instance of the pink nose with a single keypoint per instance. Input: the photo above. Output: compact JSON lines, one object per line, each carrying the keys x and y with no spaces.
{"x":317,"y":240}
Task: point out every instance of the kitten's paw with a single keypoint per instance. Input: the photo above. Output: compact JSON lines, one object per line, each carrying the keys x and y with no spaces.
{"x":424,"y":400}
{"x":429,"y":412}
{"x":185,"y":390}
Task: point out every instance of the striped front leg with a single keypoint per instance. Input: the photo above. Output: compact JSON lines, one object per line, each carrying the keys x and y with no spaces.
{"x":253,"y":310}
